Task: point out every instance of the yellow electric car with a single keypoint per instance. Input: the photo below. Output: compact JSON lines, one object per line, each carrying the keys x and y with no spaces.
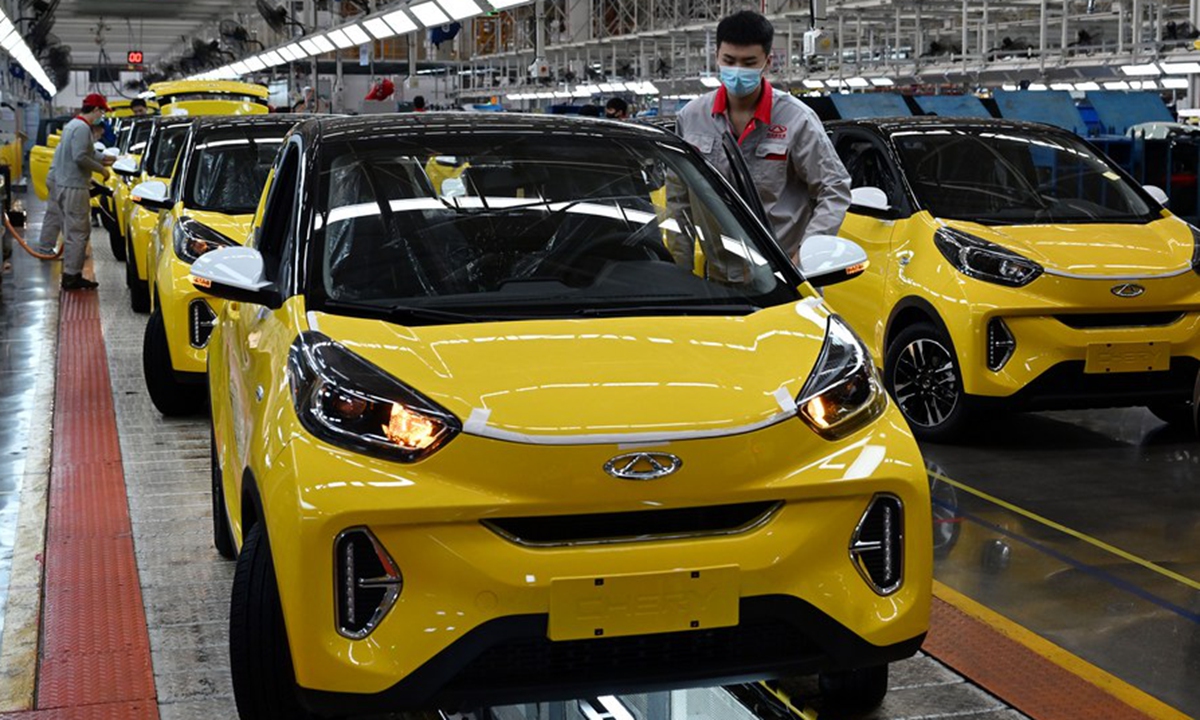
{"x":157,"y":163}
{"x":132,"y":135}
{"x":488,"y":442}
{"x":1013,"y":266}
{"x":210,"y":203}
{"x":211,"y":97}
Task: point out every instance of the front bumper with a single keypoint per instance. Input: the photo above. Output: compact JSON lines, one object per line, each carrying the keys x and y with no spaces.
{"x":187,"y":327}
{"x":472,"y":599}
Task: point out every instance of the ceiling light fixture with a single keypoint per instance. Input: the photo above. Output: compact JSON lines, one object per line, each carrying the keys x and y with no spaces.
{"x":400,"y":22}
{"x":429,"y":14}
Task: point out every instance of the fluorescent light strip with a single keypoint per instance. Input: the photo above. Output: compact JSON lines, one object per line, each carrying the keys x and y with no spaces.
{"x":339,"y":38}
{"x":502,"y":4}
{"x":1148,"y":70}
{"x":1175,"y":83}
{"x":460,"y":9}
{"x":273,"y":58}
{"x":298,"y":51}
{"x":378,"y":28}
{"x":323,"y":44}
{"x":429,"y":14}
{"x":356,"y":34}
{"x":255,"y":64}
{"x":288,"y":54}
{"x":310,"y":47}
{"x":240,"y":67}
{"x":400,"y":22}
{"x":1182,"y":68}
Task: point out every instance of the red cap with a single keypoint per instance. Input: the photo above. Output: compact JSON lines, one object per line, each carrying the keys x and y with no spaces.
{"x":96,"y":100}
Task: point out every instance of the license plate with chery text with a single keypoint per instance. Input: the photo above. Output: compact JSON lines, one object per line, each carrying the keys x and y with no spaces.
{"x":1128,"y":357}
{"x":640,"y":604}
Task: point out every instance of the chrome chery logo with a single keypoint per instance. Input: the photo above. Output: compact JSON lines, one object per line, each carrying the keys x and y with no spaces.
{"x":1128,"y":290}
{"x":642,"y":466}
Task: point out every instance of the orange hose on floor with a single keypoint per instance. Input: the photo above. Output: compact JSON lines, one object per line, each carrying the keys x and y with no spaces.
{"x":39,"y":255}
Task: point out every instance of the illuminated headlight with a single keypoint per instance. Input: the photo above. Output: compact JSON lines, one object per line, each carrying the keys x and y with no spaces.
{"x":986,"y":261}
{"x":346,"y":401}
{"x":193,"y":240}
{"x":844,"y":392}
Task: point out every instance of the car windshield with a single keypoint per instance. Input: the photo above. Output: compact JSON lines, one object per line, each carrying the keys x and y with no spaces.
{"x":537,"y":225}
{"x":139,"y":133}
{"x":228,"y":168}
{"x":1010,"y":176}
{"x":165,"y":149}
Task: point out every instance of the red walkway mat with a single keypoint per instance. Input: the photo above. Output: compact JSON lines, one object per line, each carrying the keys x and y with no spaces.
{"x":95,"y":649}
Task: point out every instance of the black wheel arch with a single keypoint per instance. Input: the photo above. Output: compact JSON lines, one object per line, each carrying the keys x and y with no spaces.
{"x":910,"y":311}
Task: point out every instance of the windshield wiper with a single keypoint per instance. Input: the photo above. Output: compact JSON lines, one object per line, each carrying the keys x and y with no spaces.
{"x":406,"y":314}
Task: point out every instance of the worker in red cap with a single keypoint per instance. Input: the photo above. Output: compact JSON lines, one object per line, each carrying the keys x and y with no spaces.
{"x":69,"y":181}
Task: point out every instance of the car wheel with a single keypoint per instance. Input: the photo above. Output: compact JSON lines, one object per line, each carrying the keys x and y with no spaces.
{"x":139,"y":290}
{"x":1179,"y":414}
{"x":853,"y":691}
{"x":264,"y":681}
{"x":170,"y":396}
{"x":922,"y":374}
{"x":222,"y":532}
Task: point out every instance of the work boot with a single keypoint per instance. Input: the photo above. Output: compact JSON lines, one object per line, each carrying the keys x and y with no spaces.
{"x":77,"y":282}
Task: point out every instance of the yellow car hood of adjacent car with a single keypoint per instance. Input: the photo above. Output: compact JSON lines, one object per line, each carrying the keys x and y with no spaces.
{"x":1103,"y":250}
{"x":601,"y":380}
{"x":234,"y":227}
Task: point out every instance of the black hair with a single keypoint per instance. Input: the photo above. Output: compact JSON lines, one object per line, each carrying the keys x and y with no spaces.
{"x":746,"y":28}
{"x":137,"y":102}
{"x":419,"y":101}
{"x":617,"y":104}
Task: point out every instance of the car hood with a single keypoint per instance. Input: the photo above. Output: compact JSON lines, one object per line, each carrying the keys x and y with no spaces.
{"x":601,"y":380}
{"x":1096,"y":250}
{"x":234,"y":227}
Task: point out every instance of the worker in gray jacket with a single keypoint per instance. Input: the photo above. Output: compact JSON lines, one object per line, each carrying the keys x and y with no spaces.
{"x":803,"y":185}
{"x":69,"y":180}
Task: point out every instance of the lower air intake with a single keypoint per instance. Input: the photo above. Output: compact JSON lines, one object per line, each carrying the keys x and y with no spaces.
{"x":877,"y":548}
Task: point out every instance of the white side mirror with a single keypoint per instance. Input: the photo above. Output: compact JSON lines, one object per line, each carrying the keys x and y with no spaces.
{"x":126,"y":166}
{"x":234,"y":273}
{"x":152,"y":194}
{"x":869,"y":198}
{"x":828,"y":259}
{"x":1159,"y":195}
{"x":99,"y":147}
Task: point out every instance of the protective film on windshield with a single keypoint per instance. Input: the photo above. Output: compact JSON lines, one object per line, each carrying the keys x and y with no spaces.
{"x":228,"y":169}
{"x":539,"y":222}
{"x":166,"y":149}
{"x":1015,"y":177}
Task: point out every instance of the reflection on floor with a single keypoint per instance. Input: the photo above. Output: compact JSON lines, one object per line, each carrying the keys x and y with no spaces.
{"x":1083,"y":527}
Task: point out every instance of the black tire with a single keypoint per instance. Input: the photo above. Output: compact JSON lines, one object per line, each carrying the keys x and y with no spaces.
{"x":115,"y":239}
{"x":855,"y":692}
{"x":139,"y":290}
{"x":264,"y":680}
{"x":171,"y":397}
{"x":923,"y":377}
{"x":222,"y":530}
{"x":1179,"y":414}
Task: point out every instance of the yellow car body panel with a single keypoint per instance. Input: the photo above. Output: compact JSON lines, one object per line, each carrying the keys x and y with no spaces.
{"x":142,"y":225}
{"x":173,"y":290}
{"x":173,"y":97}
{"x":214,"y":107}
{"x":1084,"y":263}
{"x":458,"y":574}
{"x":40,"y":157}
{"x":121,"y":108}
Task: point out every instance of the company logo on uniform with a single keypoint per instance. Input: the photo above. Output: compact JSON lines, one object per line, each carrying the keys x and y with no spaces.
{"x":1128,"y":290}
{"x":642,"y":466}
{"x":777,"y":132}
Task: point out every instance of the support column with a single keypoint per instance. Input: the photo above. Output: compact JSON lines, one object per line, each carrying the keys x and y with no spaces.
{"x":1044,"y":32}
{"x":1066,"y":33}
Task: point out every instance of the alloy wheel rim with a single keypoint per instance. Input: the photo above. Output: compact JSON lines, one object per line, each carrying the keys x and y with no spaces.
{"x":925,"y":385}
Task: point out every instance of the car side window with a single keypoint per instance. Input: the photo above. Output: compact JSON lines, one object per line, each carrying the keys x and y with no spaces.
{"x":868,"y":165}
{"x":278,"y":214}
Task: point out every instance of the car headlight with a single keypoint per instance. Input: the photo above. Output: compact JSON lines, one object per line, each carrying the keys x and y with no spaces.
{"x":844,"y":392}
{"x":346,"y":401}
{"x":983,"y":260}
{"x":193,"y":239}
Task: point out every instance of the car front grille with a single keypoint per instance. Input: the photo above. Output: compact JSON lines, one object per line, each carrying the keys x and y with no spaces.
{"x":1094,"y":321}
{"x":639,"y":526}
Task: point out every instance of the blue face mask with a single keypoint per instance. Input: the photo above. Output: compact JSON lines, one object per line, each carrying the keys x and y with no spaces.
{"x":741,"y":81}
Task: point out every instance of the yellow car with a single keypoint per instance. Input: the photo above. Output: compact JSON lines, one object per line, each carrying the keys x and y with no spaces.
{"x":132,"y":136}
{"x":210,"y":204}
{"x":210,"y":97}
{"x":1014,"y":267}
{"x":157,"y":164}
{"x":487,"y":443}
{"x":121,"y":109}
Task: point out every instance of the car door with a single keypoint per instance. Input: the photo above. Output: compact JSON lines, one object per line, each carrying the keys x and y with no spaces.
{"x":864,"y":302}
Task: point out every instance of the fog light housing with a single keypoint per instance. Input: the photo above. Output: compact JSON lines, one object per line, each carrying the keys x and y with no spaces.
{"x":201,"y":321}
{"x":367,"y":582}
{"x":1000,"y":344}
{"x":877,"y":547}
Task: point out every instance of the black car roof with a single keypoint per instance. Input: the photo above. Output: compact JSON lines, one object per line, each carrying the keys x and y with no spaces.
{"x":889,"y":126}
{"x":367,"y":127}
{"x":224,"y":122}
{"x":168,"y":120}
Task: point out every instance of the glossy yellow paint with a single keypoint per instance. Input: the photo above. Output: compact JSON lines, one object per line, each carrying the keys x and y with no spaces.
{"x":174,"y":97}
{"x":1083,"y":264}
{"x":121,"y":109}
{"x":172,"y":291}
{"x":142,"y":226}
{"x":40,"y":157}
{"x":639,"y":373}
{"x":216,"y":87}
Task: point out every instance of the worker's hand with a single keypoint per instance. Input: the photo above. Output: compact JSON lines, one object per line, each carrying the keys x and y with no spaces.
{"x":105,"y":173}
{"x":107,"y":160}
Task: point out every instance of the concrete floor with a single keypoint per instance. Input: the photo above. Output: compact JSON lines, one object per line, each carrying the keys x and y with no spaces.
{"x":1082,"y":527}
